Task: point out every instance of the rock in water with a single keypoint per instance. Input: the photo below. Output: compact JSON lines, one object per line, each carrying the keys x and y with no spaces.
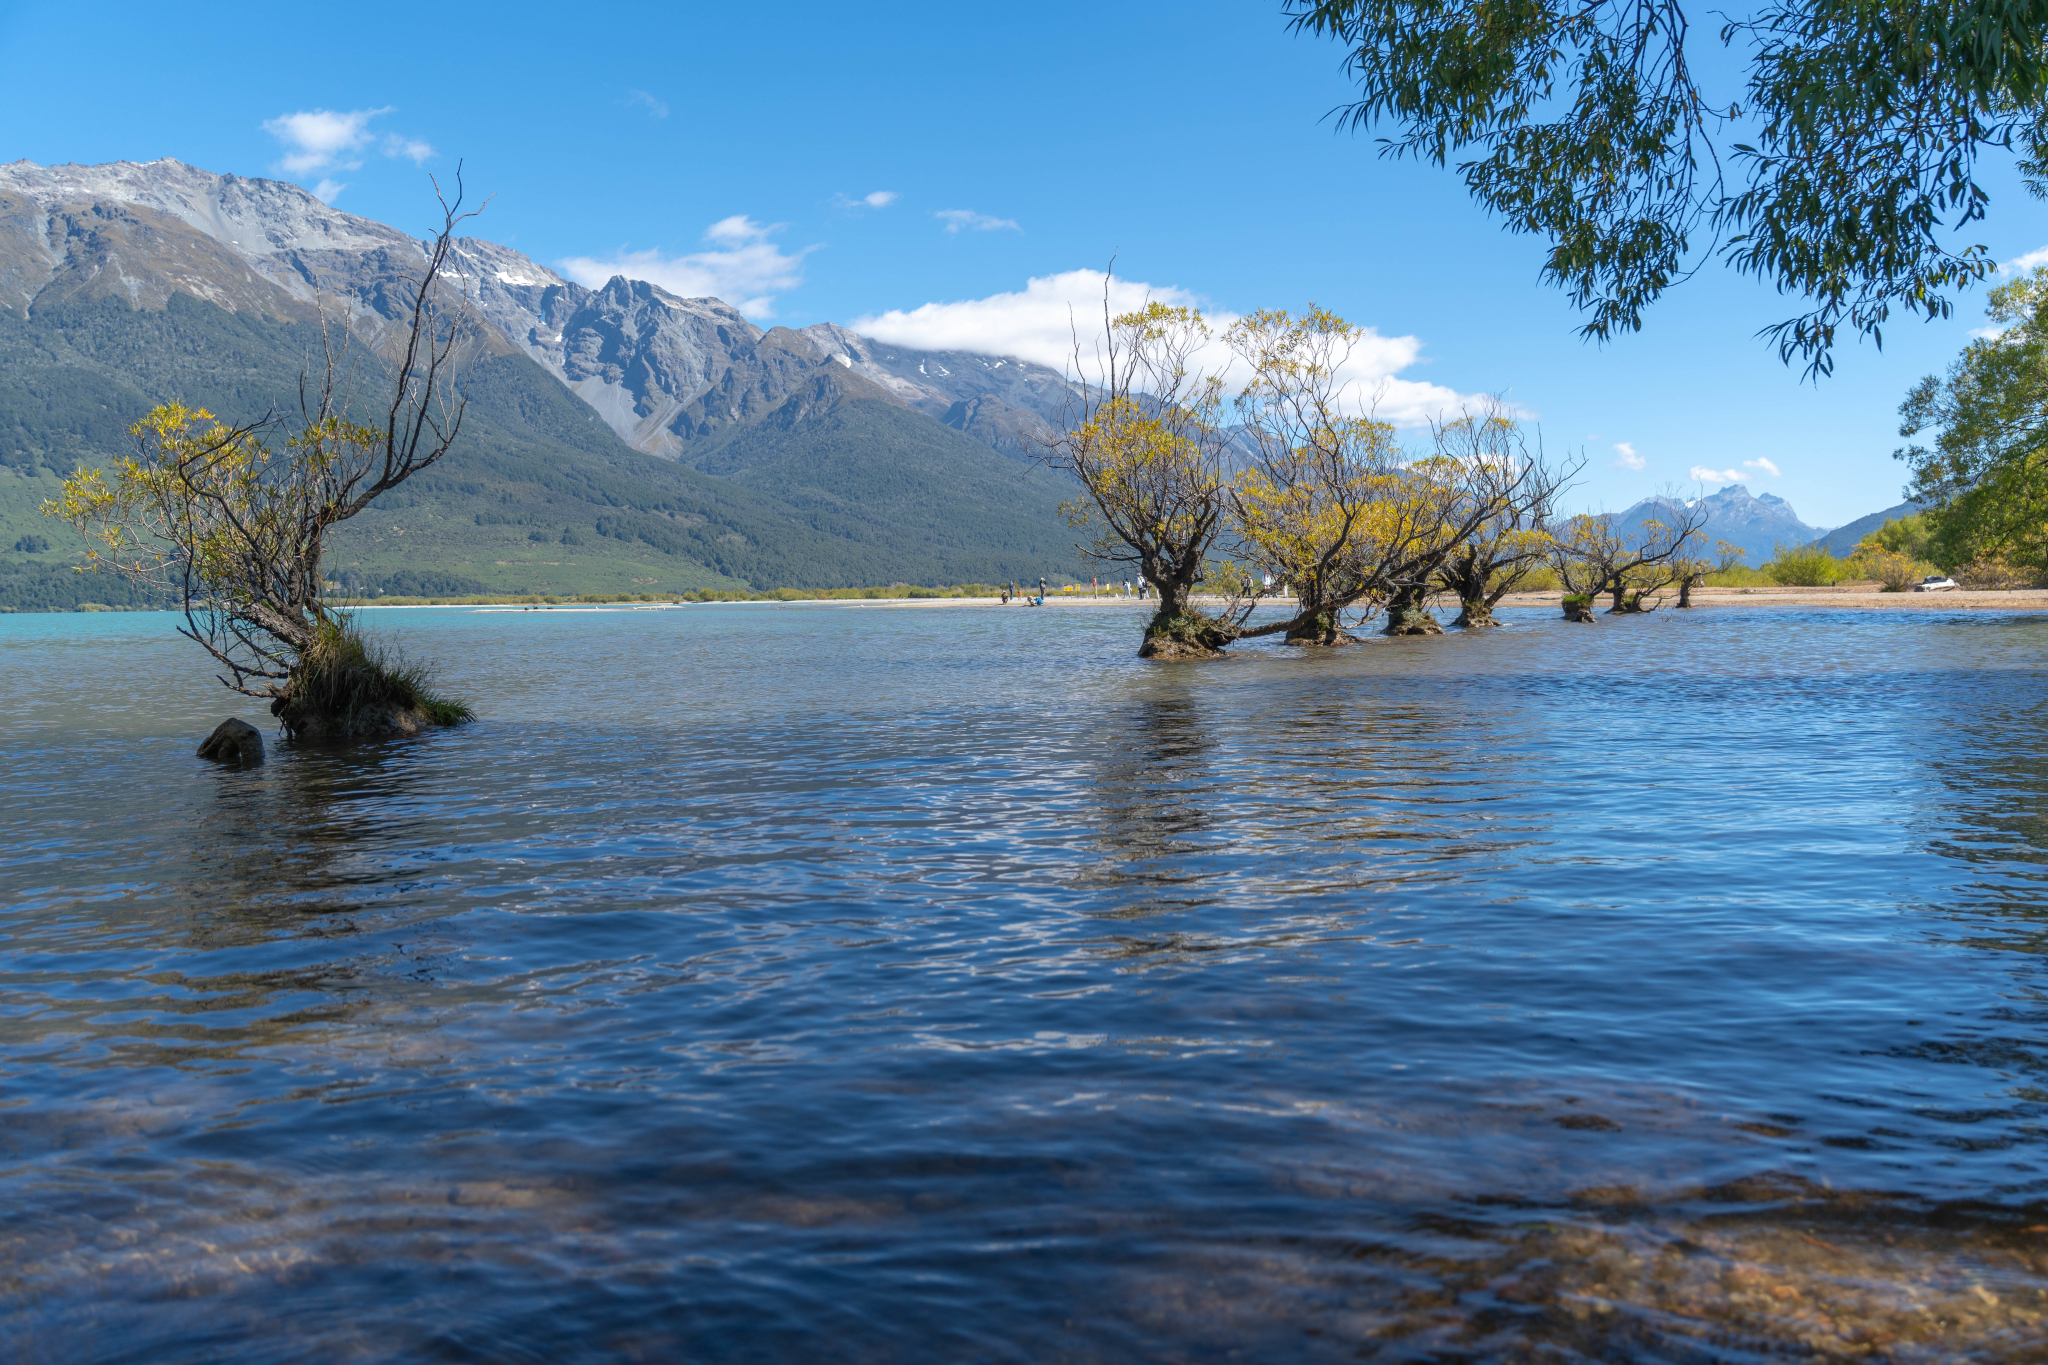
{"x":233,"y":741}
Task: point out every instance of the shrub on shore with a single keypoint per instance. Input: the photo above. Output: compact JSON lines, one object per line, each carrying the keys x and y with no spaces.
{"x":1895,"y":572}
{"x":1806,"y":566}
{"x":1997,"y":572}
{"x":1737,"y":576}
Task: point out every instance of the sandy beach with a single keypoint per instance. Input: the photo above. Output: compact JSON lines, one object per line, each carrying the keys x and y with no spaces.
{"x":1862,"y":596}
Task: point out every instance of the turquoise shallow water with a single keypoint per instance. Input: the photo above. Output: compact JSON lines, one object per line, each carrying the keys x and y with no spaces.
{"x":769,"y":983}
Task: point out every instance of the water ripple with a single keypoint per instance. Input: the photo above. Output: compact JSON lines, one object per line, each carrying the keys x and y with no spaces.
{"x":778,"y":982}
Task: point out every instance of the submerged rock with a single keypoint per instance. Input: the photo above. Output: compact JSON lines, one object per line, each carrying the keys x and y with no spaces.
{"x":233,"y":741}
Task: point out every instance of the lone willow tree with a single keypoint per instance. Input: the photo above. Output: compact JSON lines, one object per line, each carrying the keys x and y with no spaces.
{"x":231,"y":521}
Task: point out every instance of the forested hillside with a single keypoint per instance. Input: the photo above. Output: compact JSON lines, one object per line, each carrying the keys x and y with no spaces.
{"x":539,"y":494}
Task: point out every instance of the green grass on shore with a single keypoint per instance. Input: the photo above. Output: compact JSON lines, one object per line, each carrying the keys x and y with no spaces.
{"x":894,"y":592}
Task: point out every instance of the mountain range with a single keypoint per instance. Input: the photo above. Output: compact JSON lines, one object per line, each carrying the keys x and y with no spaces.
{"x":617,"y":438}
{"x":1841,"y":541}
{"x":1758,"y":523}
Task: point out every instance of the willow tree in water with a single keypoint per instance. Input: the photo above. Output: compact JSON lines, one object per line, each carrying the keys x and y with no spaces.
{"x":1327,"y":497}
{"x":1593,"y":557}
{"x":1318,"y":482}
{"x":1146,"y":443}
{"x":231,"y":521}
{"x":1514,"y":541}
{"x":1308,"y":483}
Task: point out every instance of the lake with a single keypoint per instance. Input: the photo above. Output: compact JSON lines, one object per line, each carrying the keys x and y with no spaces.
{"x":765,"y":983}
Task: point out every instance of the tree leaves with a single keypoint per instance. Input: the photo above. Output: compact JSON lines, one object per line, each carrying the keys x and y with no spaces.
{"x":1986,"y":476}
{"x":1857,"y":139}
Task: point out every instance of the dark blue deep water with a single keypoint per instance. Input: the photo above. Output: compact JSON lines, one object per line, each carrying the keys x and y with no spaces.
{"x":764,"y":983}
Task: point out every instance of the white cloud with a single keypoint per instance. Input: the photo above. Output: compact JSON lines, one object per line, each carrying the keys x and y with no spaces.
{"x":740,"y":229}
{"x":1038,"y":323}
{"x":2020,"y":265}
{"x":1629,"y":459}
{"x":411,"y":148}
{"x":315,"y":139}
{"x":655,"y":106}
{"x":956,"y":219}
{"x":745,"y":269}
{"x":1760,"y":463}
{"x":327,"y":189}
{"x":324,"y":139}
{"x":880,"y":199}
{"x":1701,"y":474}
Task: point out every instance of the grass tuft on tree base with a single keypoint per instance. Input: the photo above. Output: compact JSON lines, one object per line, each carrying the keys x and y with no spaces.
{"x":345,"y":687}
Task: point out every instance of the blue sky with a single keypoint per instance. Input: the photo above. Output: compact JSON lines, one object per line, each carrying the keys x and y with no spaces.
{"x":740,"y":145}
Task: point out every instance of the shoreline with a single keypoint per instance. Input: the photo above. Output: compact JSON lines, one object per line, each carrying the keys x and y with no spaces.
{"x":1851,"y":598}
{"x":1857,"y":598}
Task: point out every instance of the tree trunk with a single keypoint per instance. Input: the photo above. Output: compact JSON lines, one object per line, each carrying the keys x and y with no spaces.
{"x":1318,"y":627}
{"x":1685,"y":586}
{"x":1579,"y":609}
{"x":1618,"y":590}
{"x":1477,"y":615}
{"x":1177,"y":630}
{"x":1407,"y":616}
{"x":284,"y":623}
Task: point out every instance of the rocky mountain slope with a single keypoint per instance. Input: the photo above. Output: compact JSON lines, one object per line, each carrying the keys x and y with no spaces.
{"x":1843,"y":540}
{"x":660,"y":370}
{"x":849,"y":461}
{"x":1758,"y":523}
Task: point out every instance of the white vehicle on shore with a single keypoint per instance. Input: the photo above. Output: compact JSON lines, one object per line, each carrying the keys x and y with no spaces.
{"x":1935,"y":582}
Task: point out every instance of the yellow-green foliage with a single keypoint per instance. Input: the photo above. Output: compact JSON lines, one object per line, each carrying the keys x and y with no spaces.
{"x":1908,"y":535}
{"x":1738,"y":576}
{"x":1896,"y":553}
{"x":1324,"y":481}
{"x":1806,"y":566}
{"x":1895,"y":571}
{"x":214,"y":497}
{"x":1998,"y":573}
{"x":1987,"y":475}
